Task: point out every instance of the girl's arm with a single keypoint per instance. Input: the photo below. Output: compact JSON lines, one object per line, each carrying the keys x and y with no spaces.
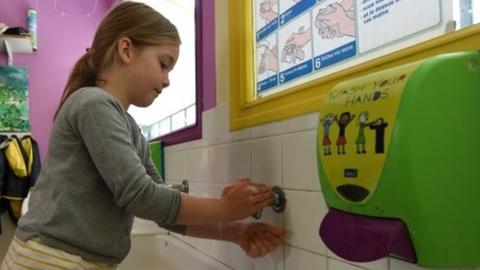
{"x":256,"y":239}
{"x":238,"y":201}
{"x":101,"y":122}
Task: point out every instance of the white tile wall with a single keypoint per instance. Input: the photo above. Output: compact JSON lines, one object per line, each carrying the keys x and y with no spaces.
{"x":164,"y":252}
{"x":375,"y":265}
{"x":267,"y":130}
{"x":216,"y":128}
{"x":296,"y":259}
{"x":304,"y":213}
{"x":340,"y":265}
{"x":274,"y":260}
{"x":281,"y":153}
{"x":228,"y":162}
{"x":401,"y":265}
{"x":306,"y":122}
{"x":238,"y":259}
{"x":196,"y":161}
{"x":300,"y":161}
{"x":175,"y":163}
{"x":267,"y":161}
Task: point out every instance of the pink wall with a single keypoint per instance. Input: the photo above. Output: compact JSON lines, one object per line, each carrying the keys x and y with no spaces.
{"x":62,"y":39}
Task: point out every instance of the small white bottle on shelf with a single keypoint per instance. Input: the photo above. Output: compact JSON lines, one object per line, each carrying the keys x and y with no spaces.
{"x":32,"y":26}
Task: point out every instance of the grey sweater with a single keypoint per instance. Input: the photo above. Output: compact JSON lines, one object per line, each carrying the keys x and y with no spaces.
{"x":97,"y":175}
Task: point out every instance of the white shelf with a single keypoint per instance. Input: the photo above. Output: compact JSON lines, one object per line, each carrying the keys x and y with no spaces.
{"x":17,"y":44}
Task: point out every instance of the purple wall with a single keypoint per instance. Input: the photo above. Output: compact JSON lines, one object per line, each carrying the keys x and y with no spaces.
{"x":208,"y":64}
{"x":62,"y":39}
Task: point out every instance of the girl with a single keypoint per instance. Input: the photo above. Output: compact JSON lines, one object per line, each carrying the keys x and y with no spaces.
{"x":98,"y":174}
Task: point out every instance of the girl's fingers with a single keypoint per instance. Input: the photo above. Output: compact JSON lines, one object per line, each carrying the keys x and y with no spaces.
{"x":263,"y":239}
{"x":277,"y":231}
{"x":269,"y":244}
{"x":261,"y":198}
{"x":273,"y":238}
{"x":242,"y":180}
{"x":254,"y":250}
{"x":261,"y":187}
{"x":262,"y":246}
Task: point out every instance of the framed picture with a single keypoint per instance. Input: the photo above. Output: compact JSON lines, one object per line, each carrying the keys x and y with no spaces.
{"x":14,"y":99}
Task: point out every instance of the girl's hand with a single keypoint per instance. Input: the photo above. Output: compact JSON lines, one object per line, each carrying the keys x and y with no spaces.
{"x":259,"y":239}
{"x":243,"y":198}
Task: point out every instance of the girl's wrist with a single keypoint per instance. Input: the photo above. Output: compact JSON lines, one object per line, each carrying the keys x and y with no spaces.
{"x":236,"y":230}
{"x":230,"y":231}
{"x":221,"y":211}
{"x":224,"y":211}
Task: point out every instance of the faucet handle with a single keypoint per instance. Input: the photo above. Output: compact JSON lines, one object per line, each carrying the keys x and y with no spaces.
{"x":184,"y":187}
{"x":278,"y":203}
{"x":279,"y":199}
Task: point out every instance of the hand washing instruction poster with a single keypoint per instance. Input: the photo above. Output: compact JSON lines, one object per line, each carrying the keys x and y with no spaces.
{"x":300,"y":38}
{"x":392,"y":20}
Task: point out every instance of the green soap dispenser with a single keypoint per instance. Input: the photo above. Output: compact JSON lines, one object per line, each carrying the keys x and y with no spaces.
{"x":403,"y":145}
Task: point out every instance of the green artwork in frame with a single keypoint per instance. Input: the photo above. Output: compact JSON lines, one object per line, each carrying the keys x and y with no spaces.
{"x":14,"y":99}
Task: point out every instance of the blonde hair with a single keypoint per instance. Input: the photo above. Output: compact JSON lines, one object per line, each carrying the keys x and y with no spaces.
{"x":140,"y":23}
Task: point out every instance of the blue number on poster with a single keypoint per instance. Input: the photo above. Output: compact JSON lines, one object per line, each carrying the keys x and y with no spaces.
{"x":267,"y":29}
{"x":267,"y":83}
{"x":296,"y":71}
{"x":334,"y":56}
{"x":296,"y":10}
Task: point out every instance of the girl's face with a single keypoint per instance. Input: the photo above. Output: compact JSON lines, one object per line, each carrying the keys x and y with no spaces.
{"x":149,"y":72}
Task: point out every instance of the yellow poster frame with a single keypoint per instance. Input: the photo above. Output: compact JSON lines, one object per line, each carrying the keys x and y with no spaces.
{"x":246,"y":111}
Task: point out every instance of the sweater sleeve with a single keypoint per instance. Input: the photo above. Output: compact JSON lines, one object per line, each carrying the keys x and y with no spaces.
{"x":101,"y":123}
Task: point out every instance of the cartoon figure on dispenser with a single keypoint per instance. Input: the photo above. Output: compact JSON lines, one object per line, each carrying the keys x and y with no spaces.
{"x":379,"y":125}
{"x":360,"y":141}
{"x":326,"y":122}
{"x":345,"y":119}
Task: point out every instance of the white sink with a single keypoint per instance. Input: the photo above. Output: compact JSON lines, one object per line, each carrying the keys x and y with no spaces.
{"x":165,"y":252}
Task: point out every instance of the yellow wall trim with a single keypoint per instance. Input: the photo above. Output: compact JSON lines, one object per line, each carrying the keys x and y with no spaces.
{"x":245,"y":111}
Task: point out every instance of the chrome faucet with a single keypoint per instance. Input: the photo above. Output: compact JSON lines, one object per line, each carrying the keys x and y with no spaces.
{"x":278,"y":203}
{"x":183,"y":187}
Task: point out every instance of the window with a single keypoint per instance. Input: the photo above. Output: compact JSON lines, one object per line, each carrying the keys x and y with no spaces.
{"x":466,"y":12}
{"x":175,"y":115}
{"x":287,"y":54}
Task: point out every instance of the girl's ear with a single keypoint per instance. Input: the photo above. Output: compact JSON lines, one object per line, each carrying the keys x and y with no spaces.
{"x":124,"y":50}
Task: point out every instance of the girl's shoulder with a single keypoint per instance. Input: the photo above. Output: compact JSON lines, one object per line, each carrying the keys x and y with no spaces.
{"x":93,"y":96}
{"x":91,"y":93}
{"x":94,"y":100}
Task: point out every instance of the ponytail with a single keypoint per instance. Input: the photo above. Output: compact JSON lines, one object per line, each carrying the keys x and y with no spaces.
{"x":83,"y":74}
